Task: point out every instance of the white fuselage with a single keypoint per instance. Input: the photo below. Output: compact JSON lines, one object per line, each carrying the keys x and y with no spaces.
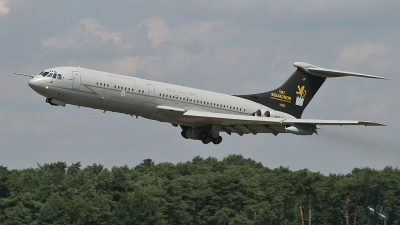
{"x":134,"y":96}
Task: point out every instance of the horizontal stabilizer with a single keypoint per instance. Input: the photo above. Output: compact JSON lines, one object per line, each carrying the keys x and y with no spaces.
{"x":322,"y":72}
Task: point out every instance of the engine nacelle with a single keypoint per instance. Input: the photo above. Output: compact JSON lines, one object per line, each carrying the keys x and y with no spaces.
{"x":272,"y":113}
{"x":194,"y":133}
{"x":262,"y":113}
{"x":300,"y":131}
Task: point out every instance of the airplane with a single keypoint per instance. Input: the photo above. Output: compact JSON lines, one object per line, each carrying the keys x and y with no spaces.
{"x":201,"y":115}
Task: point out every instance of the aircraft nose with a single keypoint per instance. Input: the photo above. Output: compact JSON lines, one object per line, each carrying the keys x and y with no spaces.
{"x":32,"y":83}
{"x":35,"y":84}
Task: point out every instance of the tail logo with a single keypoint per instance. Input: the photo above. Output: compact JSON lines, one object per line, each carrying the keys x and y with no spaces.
{"x":300,"y":95}
{"x":281,"y":96}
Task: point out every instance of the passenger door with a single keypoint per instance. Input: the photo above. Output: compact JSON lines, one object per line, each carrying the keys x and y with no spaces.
{"x":150,"y":96}
{"x":76,"y":76}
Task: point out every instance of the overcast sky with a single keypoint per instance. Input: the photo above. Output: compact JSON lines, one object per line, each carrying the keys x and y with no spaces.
{"x":233,"y":47}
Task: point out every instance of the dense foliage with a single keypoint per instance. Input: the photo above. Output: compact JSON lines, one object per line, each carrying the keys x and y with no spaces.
{"x":204,"y":191}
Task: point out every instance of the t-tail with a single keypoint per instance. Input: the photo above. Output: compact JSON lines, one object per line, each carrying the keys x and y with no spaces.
{"x":293,"y":96}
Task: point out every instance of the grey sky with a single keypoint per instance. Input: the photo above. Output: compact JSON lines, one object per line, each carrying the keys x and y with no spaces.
{"x":233,"y":47}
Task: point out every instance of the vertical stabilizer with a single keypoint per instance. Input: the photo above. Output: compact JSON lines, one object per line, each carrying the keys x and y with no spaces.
{"x":295,"y":94}
{"x":291,"y":97}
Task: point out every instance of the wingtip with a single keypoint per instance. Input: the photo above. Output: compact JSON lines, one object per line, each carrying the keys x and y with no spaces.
{"x":375,"y":124}
{"x":381,"y":78}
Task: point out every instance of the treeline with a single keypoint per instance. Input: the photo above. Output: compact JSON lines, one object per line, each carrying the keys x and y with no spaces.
{"x":234,"y":190}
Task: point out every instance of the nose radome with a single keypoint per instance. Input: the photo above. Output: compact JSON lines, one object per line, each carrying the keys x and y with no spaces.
{"x":34,"y":84}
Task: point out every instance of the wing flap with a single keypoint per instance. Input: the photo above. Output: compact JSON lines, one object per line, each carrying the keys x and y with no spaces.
{"x":231,"y":119}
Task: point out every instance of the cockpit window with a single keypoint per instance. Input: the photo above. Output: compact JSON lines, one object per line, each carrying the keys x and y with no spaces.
{"x":44,"y":73}
{"x":52,"y":74}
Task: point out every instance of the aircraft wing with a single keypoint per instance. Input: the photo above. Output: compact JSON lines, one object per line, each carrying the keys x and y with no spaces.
{"x":243,"y":124}
{"x":232,"y":119}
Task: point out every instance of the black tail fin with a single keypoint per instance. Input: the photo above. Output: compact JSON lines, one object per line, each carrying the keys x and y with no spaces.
{"x":293,"y":96}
